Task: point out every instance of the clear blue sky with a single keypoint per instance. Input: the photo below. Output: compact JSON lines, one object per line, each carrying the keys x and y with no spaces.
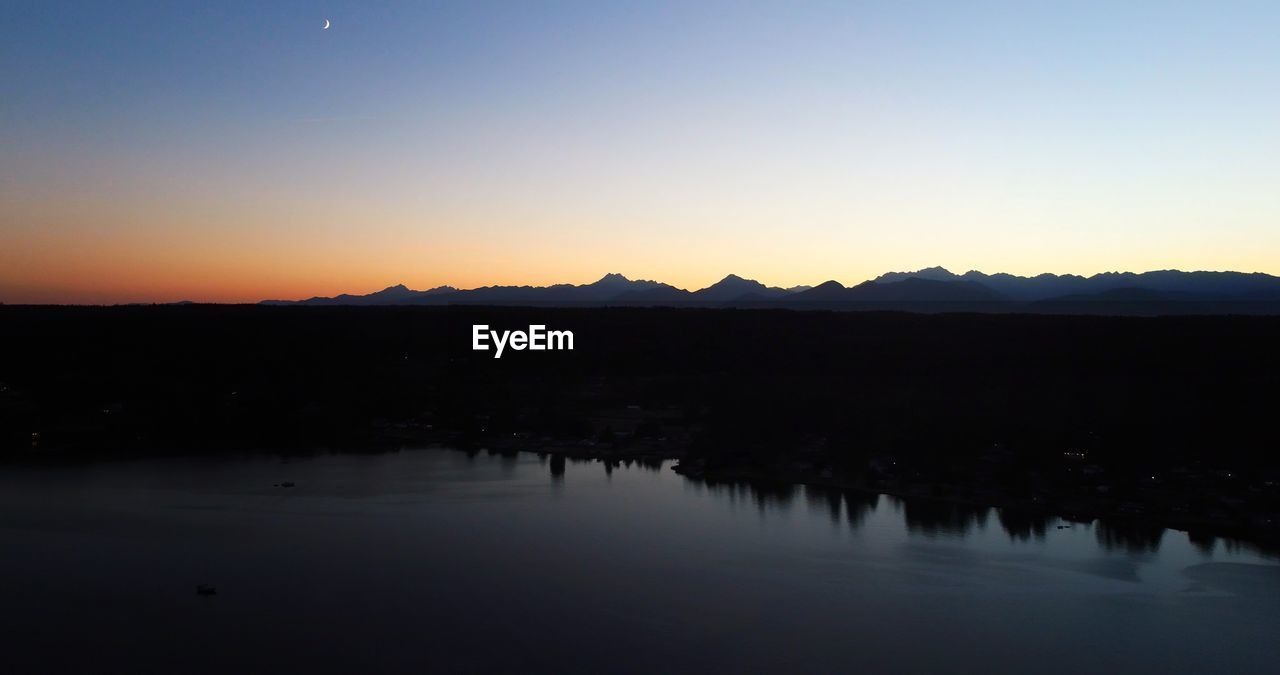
{"x":233,"y":151}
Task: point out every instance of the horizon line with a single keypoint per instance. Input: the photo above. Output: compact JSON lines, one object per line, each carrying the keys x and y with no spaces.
{"x":936,"y":269}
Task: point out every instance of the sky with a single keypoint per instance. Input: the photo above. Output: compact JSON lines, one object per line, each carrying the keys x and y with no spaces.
{"x":235,"y":151}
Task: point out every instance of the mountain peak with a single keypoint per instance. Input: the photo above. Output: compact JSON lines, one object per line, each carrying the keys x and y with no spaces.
{"x":733,"y":287}
{"x":827,"y":291}
{"x":930,"y":284}
{"x":399,"y":290}
{"x":936,"y":273}
{"x":613,"y":278}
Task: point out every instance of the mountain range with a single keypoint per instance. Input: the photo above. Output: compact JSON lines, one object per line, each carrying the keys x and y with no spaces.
{"x":929,"y":289}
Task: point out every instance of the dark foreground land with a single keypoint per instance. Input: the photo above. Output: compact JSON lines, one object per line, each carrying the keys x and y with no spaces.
{"x":1159,"y":421}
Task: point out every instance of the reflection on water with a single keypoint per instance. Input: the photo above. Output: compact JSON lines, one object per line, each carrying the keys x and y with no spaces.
{"x":558,"y":463}
{"x":934,"y":518}
{"x":446,"y":561}
{"x":1022,"y":525}
{"x":848,"y":506}
{"x":1131,"y":537}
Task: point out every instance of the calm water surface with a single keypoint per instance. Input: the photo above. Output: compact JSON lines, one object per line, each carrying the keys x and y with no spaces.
{"x":430,"y":560}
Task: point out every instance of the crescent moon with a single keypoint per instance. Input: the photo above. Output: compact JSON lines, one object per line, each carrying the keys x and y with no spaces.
{"x":326,"y":25}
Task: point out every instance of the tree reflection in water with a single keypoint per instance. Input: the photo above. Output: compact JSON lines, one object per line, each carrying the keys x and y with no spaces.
{"x":922,"y":516}
{"x":853,"y":505}
{"x":1023,"y":525}
{"x":933,"y":518}
{"x":1129,"y":536}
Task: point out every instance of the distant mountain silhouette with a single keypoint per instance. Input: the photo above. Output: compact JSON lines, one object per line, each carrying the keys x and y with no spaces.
{"x":916,"y":289}
{"x":612,"y":285}
{"x":1204,"y":285}
{"x":734,"y":287}
{"x":607,"y":288}
{"x":391,"y":295}
{"x":827,"y":291}
{"x":907,"y":290}
{"x":1126,"y":294}
{"x":659,"y":295}
{"x":929,"y":289}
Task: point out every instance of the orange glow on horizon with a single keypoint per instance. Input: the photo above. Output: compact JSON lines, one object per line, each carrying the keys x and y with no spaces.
{"x":789,"y":144}
{"x":104,"y":252}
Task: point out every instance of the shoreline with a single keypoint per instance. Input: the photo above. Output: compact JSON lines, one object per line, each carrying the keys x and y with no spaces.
{"x":1196,"y":527}
{"x":1073,"y":510}
{"x":1084,"y":511}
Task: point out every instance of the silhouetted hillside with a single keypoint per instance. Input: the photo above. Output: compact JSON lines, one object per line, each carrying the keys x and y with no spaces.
{"x":392,"y":295}
{"x":825,"y":292}
{"x":933,"y":289}
{"x":734,"y":287}
{"x":923,"y":290}
{"x":1192,"y":285}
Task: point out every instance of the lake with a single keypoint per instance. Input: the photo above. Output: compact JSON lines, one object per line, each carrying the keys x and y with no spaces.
{"x":436,"y":561}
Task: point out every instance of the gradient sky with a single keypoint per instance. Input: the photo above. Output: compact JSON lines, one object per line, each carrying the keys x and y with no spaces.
{"x":234,"y":151}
